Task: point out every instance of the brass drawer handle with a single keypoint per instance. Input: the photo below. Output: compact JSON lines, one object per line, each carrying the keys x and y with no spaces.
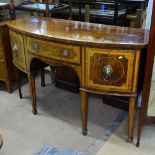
{"x":107,"y":72}
{"x":65,"y":53}
{"x":35,"y":47}
{"x":14,"y":49}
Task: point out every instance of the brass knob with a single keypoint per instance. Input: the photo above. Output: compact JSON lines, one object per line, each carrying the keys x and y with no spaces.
{"x":35,"y":46}
{"x":107,"y":73}
{"x":15,"y":49}
{"x":107,"y":69}
{"x":65,"y":53}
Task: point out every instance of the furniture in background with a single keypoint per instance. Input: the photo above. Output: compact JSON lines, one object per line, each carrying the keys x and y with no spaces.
{"x":6,"y":7}
{"x":107,"y":12}
{"x":136,"y":19}
{"x":105,"y":63}
{"x":111,"y":12}
{"x":44,"y":7}
{"x":6,"y":65}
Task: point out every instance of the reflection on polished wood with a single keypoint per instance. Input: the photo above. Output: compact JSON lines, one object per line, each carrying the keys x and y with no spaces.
{"x":81,"y":32}
{"x":105,"y":58}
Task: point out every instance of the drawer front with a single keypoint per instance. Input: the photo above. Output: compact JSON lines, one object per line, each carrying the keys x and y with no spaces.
{"x":2,"y":70}
{"x":110,"y":70}
{"x":57,"y":51}
{"x":17,"y":45}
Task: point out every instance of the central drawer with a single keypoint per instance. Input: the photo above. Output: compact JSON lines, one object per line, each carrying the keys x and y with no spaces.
{"x":63,"y":52}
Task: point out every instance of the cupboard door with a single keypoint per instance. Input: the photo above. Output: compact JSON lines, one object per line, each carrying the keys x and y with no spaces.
{"x":111,"y":70}
{"x":18,"y":53}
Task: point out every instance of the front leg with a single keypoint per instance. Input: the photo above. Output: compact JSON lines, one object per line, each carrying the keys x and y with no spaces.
{"x":42,"y":72}
{"x":18,"y":78}
{"x":84,"y":111}
{"x":131,"y":121}
{"x":31,"y":78}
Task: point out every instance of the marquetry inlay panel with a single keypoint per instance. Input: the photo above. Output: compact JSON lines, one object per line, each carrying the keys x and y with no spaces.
{"x":109,"y":69}
{"x":18,"y":53}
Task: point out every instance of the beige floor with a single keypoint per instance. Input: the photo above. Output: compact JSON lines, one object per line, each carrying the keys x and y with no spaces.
{"x":116,"y":145}
{"x":57,"y":124}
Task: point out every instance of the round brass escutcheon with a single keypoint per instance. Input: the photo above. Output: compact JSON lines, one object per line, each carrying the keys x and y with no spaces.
{"x":14,"y":49}
{"x":35,"y":46}
{"x":65,"y":53}
{"x":107,"y":70}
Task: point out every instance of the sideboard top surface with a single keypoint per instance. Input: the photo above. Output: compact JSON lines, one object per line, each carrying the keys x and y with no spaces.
{"x":81,"y":32}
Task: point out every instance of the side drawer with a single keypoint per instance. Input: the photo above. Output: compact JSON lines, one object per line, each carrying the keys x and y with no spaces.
{"x":112,"y":70}
{"x":18,"y":53}
{"x":69,"y":53}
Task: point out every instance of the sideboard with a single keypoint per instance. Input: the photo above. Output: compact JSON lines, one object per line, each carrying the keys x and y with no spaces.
{"x":105,"y":58}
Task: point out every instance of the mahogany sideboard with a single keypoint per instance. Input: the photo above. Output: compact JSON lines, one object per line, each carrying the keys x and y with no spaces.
{"x":105,"y":58}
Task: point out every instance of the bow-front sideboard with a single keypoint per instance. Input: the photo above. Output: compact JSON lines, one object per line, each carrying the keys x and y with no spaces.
{"x":105,"y":58}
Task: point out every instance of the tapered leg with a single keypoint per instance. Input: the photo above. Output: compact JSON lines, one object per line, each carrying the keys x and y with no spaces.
{"x":132,"y":111}
{"x":42,"y":77}
{"x":9,"y":87}
{"x":140,"y":123}
{"x":53,"y":71}
{"x":84,"y":111}
{"x":31,"y":78}
{"x":17,"y":74}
